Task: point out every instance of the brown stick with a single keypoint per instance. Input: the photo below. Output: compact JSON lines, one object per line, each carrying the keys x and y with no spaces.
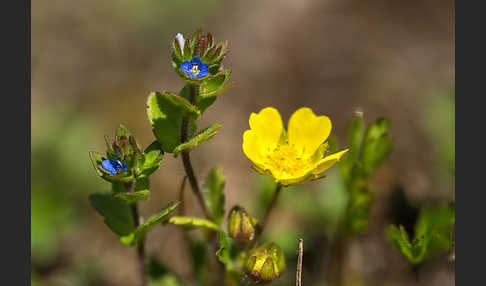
{"x":298,"y":276}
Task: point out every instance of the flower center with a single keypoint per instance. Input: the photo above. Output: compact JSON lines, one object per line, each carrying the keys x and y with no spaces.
{"x":287,"y":160}
{"x":195,"y":69}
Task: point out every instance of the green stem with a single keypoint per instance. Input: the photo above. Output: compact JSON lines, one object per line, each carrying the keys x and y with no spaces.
{"x":270,"y":208}
{"x":186,"y":159}
{"x":141,"y":245}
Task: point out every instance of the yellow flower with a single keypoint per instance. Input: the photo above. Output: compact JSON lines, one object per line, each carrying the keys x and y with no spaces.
{"x":294,"y":157}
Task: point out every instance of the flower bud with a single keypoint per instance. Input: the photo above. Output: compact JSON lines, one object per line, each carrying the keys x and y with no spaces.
{"x":241,"y":226}
{"x":266,"y":263}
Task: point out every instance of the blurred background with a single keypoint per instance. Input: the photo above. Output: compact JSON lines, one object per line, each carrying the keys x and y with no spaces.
{"x":95,"y":62}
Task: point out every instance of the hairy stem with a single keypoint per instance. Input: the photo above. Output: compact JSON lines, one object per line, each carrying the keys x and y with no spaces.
{"x":141,"y":245}
{"x":186,"y":159}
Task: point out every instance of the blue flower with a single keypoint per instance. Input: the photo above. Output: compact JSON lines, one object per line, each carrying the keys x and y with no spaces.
{"x":114,"y":166}
{"x":195,"y":68}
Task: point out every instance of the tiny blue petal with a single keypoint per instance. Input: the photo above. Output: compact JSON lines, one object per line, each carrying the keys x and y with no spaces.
{"x":186,"y":67}
{"x":107,"y":165}
{"x":203,"y":69}
{"x":195,"y":68}
{"x":196,"y":61}
{"x":114,"y":166}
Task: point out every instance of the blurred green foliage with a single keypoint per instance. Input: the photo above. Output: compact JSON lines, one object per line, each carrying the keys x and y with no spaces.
{"x":433,"y":234}
{"x":61,"y":178}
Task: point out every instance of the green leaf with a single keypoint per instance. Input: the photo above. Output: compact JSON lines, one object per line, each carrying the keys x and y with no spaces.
{"x":359,"y":209}
{"x":142,"y":184}
{"x":213,"y":194}
{"x":152,"y":162}
{"x":203,"y":136}
{"x":165,"y":112}
{"x":224,"y":253}
{"x":355,"y":136}
{"x":376,"y":145}
{"x":131,"y":197}
{"x":211,"y":86}
{"x":96,"y":159}
{"x":205,"y":102}
{"x":399,"y":237}
{"x":435,"y":226}
{"x":154,"y":146}
{"x":192,"y":222}
{"x":117,"y":213}
{"x":143,"y":229}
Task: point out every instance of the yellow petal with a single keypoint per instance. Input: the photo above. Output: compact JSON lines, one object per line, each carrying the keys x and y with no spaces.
{"x":307,"y":131}
{"x":267,"y":127}
{"x":327,"y":162}
{"x":251,"y":147}
{"x":293,"y":181}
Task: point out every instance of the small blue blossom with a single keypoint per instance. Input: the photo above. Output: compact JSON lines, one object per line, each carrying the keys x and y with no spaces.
{"x":114,"y":166}
{"x":195,"y":68}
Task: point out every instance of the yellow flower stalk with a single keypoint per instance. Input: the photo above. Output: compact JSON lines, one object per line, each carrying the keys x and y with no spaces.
{"x":292,"y":157}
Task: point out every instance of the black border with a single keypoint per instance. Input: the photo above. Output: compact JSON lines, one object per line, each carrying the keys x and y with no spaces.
{"x":15,"y":119}
{"x":15,"y":137}
{"x":471,"y":143}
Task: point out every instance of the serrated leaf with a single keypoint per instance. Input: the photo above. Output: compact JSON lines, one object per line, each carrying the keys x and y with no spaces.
{"x":213,"y":194}
{"x":165,"y":112}
{"x":131,"y":197}
{"x":143,"y":229}
{"x":117,"y":213}
{"x":192,"y":222}
{"x":203,"y":136}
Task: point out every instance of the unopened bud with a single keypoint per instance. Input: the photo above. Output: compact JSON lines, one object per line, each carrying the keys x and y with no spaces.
{"x":241,"y":226}
{"x":266,"y":263}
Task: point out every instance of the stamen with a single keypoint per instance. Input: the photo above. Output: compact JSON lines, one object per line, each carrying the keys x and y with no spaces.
{"x":195,"y":69}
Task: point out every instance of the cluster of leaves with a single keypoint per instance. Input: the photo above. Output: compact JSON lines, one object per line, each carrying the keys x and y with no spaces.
{"x":173,"y":117}
{"x":127,"y":187}
{"x":368,"y":148}
{"x":433,"y":234}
